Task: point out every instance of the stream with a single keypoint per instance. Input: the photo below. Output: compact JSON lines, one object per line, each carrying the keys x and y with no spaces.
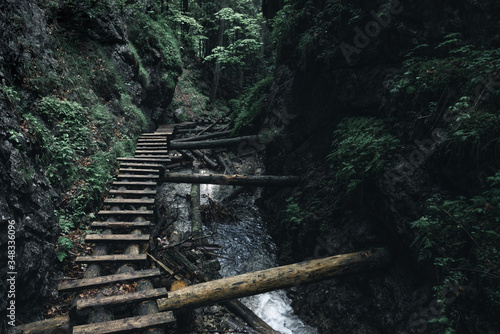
{"x":246,"y":246}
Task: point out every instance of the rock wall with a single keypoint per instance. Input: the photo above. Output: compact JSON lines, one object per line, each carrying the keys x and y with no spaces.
{"x":308,"y":99}
{"x":27,"y":199}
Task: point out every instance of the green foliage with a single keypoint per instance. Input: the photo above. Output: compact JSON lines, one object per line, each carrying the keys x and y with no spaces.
{"x":248,"y":107}
{"x":294,"y":215}
{"x":63,"y":246}
{"x":461,"y":238}
{"x":133,"y":115}
{"x":143,"y":73}
{"x":361,"y":149}
{"x":155,"y":33}
{"x":12,"y":95}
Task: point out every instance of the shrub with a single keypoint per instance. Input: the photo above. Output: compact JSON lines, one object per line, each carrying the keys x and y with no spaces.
{"x":361,"y":148}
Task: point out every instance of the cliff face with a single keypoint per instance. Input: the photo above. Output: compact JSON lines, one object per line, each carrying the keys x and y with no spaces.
{"x":340,"y":61}
{"x":71,"y":88}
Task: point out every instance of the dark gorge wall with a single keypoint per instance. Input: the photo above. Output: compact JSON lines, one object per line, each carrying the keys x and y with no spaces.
{"x":68,"y":54}
{"x":335,"y":61}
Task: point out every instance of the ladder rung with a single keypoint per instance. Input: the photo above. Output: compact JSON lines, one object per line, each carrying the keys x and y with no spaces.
{"x":88,"y":283}
{"x":133,"y":297}
{"x":125,"y":212}
{"x":132,"y":192}
{"x":129,"y":201}
{"x":99,"y":238}
{"x":116,"y":258}
{"x":139,"y":323}
{"x":117,"y":225}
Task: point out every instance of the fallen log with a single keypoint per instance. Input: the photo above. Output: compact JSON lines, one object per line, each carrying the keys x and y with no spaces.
{"x":209,"y":161}
{"x":215,"y":123}
{"x":204,"y":137}
{"x":272,"y":279}
{"x":196,"y":145}
{"x":256,"y":181}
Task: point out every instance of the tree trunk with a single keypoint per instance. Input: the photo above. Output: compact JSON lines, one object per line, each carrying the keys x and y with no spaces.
{"x":220,"y":42}
{"x":199,"y":138}
{"x":272,"y":279}
{"x":197,"y":145}
{"x":256,"y":181}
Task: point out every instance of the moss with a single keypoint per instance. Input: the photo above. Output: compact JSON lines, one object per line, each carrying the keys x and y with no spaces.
{"x":249,"y":106}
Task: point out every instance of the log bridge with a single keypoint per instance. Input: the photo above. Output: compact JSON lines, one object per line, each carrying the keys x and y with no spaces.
{"x":127,"y":219}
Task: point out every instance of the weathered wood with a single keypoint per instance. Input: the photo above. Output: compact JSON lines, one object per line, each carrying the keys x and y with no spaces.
{"x":137,"y":201}
{"x":196,"y":225}
{"x":140,"y":165}
{"x":137,"y":177}
{"x":119,"y":225}
{"x":136,"y":193}
{"x":125,"y":213}
{"x":152,"y":143}
{"x":138,"y":323}
{"x":83,"y":305}
{"x":209,"y":161}
{"x":133,"y":184}
{"x":138,"y":170}
{"x":151,"y":152}
{"x":125,"y":238}
{"x":146,"y":159}
{"x":116,"y":258}
{"x":151,"y":156}
{"x":275,"y":278}
{"x":223,"y":163}
{"x":160,"y":139}
{"x":257,"y":181}
{"x":109,"y":279}
{"x":215,"y":123}
{"x":59,"y":325}
{"x":204,"y":137}
{"x":196,"y":145}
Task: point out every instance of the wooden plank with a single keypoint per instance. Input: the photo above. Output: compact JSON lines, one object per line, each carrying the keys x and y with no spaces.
{"x":129,"y":201}
{"x":114,"y":258}
{"x":83,"y":305}
{"x":145,"y":159}
{"x":139,"y":323}
{"x":125,"y":213}
{"x":275,"y":278}
{"x":216,"y":143}
{"x":100,"y":238}
{"x":137,"y":177}
{"x":143,"y":165}
{"x":152,"y":148}
{"x":140,"y":152}
{"x":60,"y":325}
{"x":145,"y":192}
{"x":151,"y":143}
{"x":160,"y":139}
{"x":151,"y":156}
{"x":118,"y":225}
{"x":88,"y":283}
{"x":138,"y":170}
{"x":133,"y":184}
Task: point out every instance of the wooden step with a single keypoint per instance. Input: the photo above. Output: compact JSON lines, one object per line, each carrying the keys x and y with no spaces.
{"x":108,"y":301}
{"x":118,"y":225}
{"x":125,"y":213}
{"x":154,"y":152}
{"x":153,"y":134}
{"x":143,"y":165}
{"x":151,"y":143}
{"x":159,"y":139}
{"x":145,"y":159}
{"x":139,"y":324}
{"x":134,"y":184}
{"x":115,"y":258}
{"x":137,"y":201}
{"x":137,"y":177}
{"x":101,"y":238}
{"x":88,"y":283}
{"x":152,"y":148}
{"x":138,"y":170}
{"x":152,"y":156}
{"x":132,"y":192}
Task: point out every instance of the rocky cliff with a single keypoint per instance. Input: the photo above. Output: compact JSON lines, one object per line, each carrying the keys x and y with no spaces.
{"x":72,"y":83}
{"x":340,"y":61}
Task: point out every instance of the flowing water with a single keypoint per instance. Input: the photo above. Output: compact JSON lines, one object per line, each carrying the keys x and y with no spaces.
{"x":246,"y":246}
